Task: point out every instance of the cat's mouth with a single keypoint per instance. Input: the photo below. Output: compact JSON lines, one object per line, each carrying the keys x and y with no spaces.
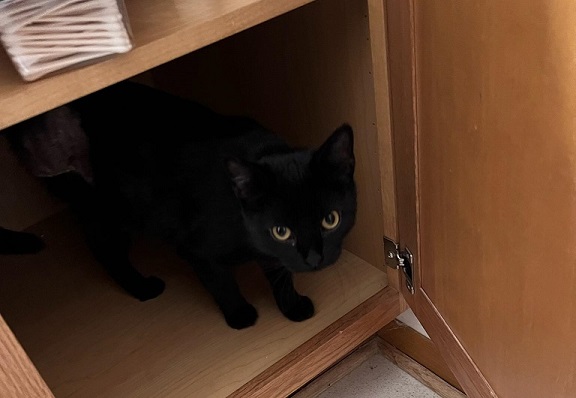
{"x":322,"y":266}
{"x":307,"y":267}
{"x":318,"y":264}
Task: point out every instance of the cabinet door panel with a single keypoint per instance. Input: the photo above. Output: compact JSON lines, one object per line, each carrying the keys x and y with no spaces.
{"x":495,"y":136}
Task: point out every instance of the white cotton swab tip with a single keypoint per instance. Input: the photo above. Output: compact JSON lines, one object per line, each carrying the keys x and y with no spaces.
{"x":44,"y":36}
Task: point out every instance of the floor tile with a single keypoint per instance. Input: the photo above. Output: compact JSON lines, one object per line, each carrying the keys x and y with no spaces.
{"x":378,"y":378}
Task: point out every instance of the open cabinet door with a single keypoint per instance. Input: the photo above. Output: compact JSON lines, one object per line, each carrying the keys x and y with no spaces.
{"x":484,"y":117}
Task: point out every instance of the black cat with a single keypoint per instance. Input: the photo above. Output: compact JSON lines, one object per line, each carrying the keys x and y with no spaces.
{"x":223,"y":190}
{"x":13,"y":242}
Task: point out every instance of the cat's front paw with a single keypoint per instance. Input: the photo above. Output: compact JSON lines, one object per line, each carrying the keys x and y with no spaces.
{"x":300,"y":310}
{"x":30,"y":244}
{"x":148,"y":289}
{"x":241,"y":317}
{"x":12,"y":242}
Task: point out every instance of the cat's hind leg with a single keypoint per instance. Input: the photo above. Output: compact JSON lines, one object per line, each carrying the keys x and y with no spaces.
{"x":111,"y":247}
{"x":13,"y":242}
{"x":105,"y":233}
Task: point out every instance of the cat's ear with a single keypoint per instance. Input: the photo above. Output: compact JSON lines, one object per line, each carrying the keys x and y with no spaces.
{"x":336,"y":156}
{"x":247,"y":180}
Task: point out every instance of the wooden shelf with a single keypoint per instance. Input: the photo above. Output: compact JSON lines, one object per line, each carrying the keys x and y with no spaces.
{"x":163,"y":30}
{"x":88,"y":338}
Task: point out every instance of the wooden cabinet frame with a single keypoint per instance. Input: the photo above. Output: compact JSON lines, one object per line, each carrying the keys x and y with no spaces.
{"x":346,"y":41}
{"x":404,"y":120}
{"x":428,"y":85}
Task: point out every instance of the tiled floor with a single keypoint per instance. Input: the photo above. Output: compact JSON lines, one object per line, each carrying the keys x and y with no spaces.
{"x":378,"y":378}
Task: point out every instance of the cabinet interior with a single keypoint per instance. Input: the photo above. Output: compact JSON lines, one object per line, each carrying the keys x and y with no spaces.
{"x":302,"y":75}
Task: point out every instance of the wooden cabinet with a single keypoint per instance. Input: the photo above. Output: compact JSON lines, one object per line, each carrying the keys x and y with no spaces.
{"x":463,"y":113}
{"x":302,"y":74}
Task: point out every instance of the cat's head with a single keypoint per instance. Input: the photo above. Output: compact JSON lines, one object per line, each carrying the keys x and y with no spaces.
{"x":299,"y":206}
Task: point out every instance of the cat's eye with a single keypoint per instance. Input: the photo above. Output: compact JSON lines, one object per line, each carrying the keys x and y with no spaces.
{"x":331,"y":221}
{"x":281,"y":234}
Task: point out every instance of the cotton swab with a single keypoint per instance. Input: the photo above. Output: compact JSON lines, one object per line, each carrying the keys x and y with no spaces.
{"x":57,"y":38}
{"x":42,"y":36}
{"x":41,"y":70}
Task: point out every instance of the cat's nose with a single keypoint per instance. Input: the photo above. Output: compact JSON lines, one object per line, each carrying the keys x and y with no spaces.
{"x":313,"y":258}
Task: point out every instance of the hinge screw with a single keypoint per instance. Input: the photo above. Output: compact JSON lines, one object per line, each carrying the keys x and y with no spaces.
{"x":391,"y":254}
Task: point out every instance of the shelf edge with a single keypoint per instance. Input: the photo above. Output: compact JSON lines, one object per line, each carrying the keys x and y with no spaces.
{"x":40,"y":96}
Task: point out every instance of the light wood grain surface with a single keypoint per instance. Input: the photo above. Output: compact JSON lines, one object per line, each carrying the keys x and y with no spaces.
{"x":88,"y":338}
{"x":401,"y":69}
{"x":379,"y":45}
{"x":162,"y":31}
{"x":18,"y":376}
{"x":379,"y":52}
{"x":497,"y":166}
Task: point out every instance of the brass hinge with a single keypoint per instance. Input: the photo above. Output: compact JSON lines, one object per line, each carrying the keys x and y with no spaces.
{"x":399,"y":259}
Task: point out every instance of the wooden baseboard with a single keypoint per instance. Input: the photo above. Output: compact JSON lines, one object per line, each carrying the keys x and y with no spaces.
{"x":419,"y":348}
